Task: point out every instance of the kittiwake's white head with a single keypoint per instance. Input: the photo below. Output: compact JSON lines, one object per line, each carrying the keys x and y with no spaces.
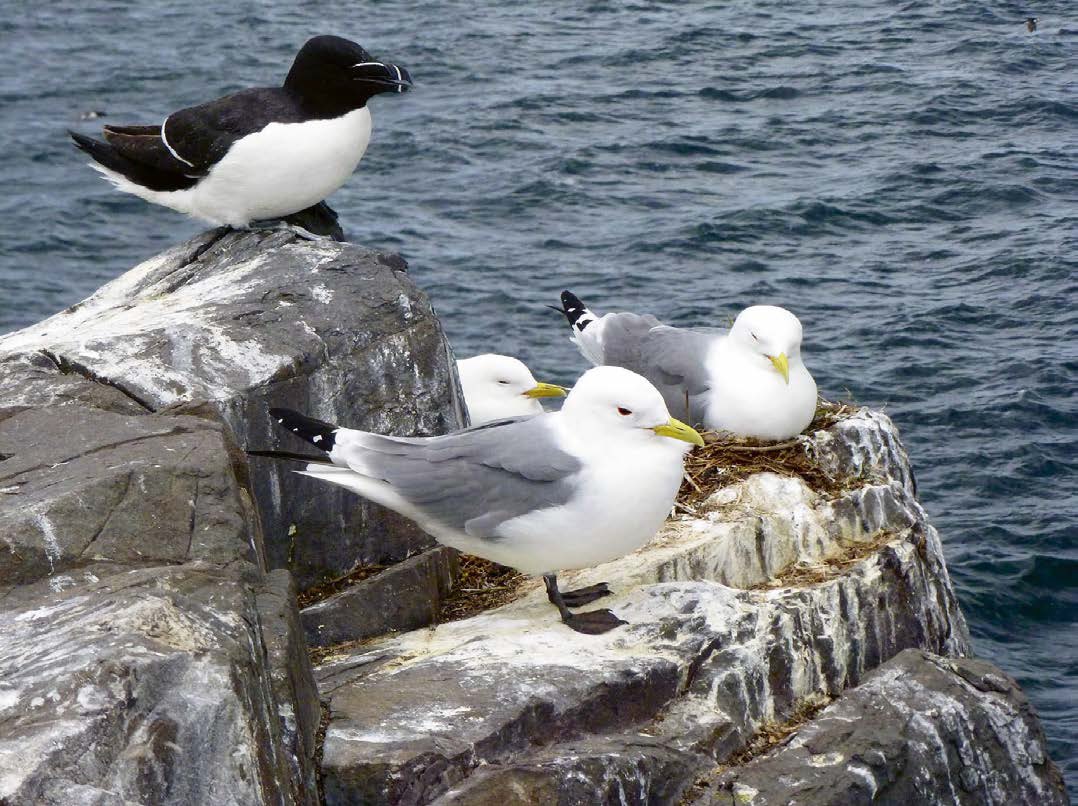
{"x":500,"y":386}
{"x":614,"y":406}
{"x":772,"y":333}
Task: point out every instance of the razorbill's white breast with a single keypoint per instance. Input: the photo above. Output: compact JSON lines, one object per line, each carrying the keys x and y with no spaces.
{"x":260,"y":153}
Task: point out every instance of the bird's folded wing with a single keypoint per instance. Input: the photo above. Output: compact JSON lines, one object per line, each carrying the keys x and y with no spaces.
{"x":144,"y":145}
{"x":201,"y":135}
{"x":621,"y":336}
{"x":472,"y":480}
{"x":677,"y":357}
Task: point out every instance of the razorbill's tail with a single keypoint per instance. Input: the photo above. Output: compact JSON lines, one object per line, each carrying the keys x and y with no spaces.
{"x":146,"y":175}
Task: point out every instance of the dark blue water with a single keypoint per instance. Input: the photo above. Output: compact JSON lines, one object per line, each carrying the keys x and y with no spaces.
{"x":902,"y":177}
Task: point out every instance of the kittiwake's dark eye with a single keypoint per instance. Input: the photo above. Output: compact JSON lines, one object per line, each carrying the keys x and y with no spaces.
{"x":753,"y":336}
{"x":504,"y":383}
{"x":624,"y":412}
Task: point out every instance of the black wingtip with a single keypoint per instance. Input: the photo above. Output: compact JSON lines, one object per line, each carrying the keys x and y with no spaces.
{"x":574,"y":310}
{"x":289,"y":455}
{"x":318,"y":433}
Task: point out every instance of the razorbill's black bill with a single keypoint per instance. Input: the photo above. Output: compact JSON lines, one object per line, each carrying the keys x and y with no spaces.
{"x":260,"y":153}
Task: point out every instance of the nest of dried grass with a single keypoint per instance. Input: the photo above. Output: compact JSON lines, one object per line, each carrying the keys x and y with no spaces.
{"x":772,"y":734}
{"x":727,"y":460}
{"x":769,"y":736}
{"x":802,"y":575}
{"x":481,"y":585}
{"x":324,"y":590}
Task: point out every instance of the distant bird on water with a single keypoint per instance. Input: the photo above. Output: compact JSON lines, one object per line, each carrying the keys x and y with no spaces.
{"x":1031,"y":24}
{"x":261,"y":153}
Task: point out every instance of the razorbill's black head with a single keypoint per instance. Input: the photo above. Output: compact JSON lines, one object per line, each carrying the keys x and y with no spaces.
{"x":260,"y":153}
{"x":334,"y":74}
{"x":1031,"y":24}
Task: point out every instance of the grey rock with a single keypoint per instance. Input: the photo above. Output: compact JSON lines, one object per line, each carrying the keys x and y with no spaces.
{"x":295,"y":695}
{"x":917,"y":730}
{"x":616,"y":770}
{"x":149,"y":686}
{"x":80,"y":486}
{"x":708,"y":655}
{"x":35,"y":380}
{"x":246,"y":320}
{"x":404,"y":596}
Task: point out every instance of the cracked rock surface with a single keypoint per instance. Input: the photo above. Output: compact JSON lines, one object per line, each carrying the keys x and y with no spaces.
{"x":245,"y":320}
{"x":147,"y":686}
{"x":88,"y":486}
{"x":919,"y":729}
{"x":147,"y":652}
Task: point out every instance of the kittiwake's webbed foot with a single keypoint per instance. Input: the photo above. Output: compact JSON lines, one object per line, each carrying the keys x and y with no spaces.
{"x":593,"y":622}
{"x":585,"y":596}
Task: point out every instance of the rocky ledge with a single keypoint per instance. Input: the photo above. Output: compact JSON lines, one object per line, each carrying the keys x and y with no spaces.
{"x":152,"y":650}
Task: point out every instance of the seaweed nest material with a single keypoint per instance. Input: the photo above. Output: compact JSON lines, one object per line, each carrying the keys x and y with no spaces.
{"x":727,"y":460}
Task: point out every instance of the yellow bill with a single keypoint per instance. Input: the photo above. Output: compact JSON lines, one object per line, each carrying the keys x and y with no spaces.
{"x":782,"y":365}
{"x":546,"y":390}
{"x":678,"y":430}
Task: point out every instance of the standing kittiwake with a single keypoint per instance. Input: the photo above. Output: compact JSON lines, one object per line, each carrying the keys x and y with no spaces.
{"x":500,"y":386}
{"x":556,"y":491}
{"x":750,"y":381}
{"x":259,"y":153}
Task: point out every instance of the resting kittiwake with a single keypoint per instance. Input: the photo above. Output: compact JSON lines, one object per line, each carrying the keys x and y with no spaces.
{"x":750,"y":381}
{"x":259,"y":153}
{"x":551,"y":492}
{"x":500,"y":386}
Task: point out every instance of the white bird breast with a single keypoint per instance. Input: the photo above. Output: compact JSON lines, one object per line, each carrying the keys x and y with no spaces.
{"x":280,"y":170}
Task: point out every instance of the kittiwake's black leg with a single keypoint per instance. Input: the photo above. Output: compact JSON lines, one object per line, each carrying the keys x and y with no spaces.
{"x":585,"y":596}
{"x":593,"y":622}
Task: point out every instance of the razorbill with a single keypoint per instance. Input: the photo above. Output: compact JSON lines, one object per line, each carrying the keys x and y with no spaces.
{"x":750,"y":381}
{"x":260,"y":153}
{"x":500,"y":386}
{"x":566,"y":489}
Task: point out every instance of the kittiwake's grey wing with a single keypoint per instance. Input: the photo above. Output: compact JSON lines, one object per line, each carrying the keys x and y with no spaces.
{"x":671,"y":358}
{"x":620,"y":337}
{"x":675,"y":361}
{"x":472,"y":480}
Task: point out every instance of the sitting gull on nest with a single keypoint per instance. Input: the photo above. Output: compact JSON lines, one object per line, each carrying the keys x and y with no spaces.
{"x":750,"y":382}
{"x":500,"y":386}
{"x":557,"y":491}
